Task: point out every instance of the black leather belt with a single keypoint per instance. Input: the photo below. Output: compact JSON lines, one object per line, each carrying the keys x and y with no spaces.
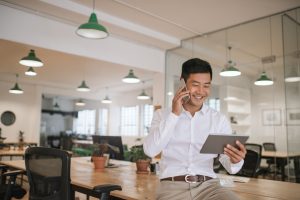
{"x":188,"y":178}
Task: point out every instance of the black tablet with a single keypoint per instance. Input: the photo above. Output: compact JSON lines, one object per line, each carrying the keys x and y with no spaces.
{"x":215,"y":144}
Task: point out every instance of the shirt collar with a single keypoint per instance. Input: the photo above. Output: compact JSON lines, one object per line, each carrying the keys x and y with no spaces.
{"x":202,"y":111}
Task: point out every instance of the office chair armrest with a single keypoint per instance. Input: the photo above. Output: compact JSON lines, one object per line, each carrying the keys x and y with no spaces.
{"x":106,"y":188}
{"x":13,"y":173}
{"x":3,"y":167}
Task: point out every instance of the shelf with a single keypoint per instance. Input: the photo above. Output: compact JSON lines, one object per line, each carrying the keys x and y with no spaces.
{"x":63,"y":113}
{"x":238,"y":113}
{"x":240,"y":125}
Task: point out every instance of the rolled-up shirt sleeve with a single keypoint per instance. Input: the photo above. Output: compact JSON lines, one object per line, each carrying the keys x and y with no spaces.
{"x":162,"y":129}
{"x":231,"y":168}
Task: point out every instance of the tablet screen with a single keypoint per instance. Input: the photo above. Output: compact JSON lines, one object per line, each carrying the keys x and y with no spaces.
{"x":215,"y":144}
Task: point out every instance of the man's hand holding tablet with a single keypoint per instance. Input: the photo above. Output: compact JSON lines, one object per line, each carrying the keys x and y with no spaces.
{"x":231,"y":145}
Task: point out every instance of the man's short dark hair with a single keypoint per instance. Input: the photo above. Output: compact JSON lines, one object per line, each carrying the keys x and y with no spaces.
{"x":193,"y":66}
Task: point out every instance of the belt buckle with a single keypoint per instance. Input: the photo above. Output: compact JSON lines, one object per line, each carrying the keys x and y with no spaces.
{"x":186,"y":179}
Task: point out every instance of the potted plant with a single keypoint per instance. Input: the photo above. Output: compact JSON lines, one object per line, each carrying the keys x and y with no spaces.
{"x":98,"y":157}
{"x":138,"y":156}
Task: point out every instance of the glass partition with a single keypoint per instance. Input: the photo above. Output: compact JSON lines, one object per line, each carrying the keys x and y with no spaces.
{"x":258,"y":111}
{"x":292,"y":90}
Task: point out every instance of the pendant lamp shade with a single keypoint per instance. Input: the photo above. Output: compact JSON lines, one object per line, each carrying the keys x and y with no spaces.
{"x":263,"y":80}
{"x":92,"y":29}
{"x":16,"y":89}
{"x":229,"y":70}
{"x":30,"y":72}
{"x":83,"y":87}
{"x":143,"y":96}
{"x":80,"y":103}
{"x":31,"y":60}
{"x":292,"y":79}
{"x":106,"y":100}
{"x":131,"y":78}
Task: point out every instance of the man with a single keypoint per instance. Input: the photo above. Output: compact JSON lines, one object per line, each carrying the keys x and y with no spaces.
{"x":179,"y":133}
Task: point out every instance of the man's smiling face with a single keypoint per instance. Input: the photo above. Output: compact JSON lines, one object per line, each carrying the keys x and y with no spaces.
{"x":199,"y":86}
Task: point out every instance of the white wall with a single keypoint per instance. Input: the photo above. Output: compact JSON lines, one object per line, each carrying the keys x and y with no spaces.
{"x":27,"y":108}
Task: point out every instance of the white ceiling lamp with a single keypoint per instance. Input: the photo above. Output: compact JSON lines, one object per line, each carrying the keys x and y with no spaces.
{"x":30,"y":72}
{"x":31,"y":60}
{"x":264,"y":80}
{"x":16,"y":89}
{"x":83,"y":87}
{"x":143,"y":95}
{"x":92,"y":29}
{"x":80,"y":102}
{"x":131,"y":78}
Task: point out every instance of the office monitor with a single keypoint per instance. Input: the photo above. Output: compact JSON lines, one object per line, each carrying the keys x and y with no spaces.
{"x":115,"y":141}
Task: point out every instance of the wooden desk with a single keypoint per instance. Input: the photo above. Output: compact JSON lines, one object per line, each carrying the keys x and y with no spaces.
{"x":141,"y":186}
{"x":11,"y":153}
{"x":281,"y":157}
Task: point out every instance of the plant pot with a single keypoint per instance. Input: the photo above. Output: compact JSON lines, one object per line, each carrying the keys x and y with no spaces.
{"x":99,"y":162}
{"x":142,"y":166}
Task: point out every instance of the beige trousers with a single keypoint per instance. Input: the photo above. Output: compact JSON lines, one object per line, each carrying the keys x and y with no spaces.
{"x":180,"y":190}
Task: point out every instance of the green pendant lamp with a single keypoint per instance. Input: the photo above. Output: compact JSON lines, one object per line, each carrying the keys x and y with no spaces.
{"x":143,"y":96}
{"x":83,"y":87}
{"x":16,"y":89}
{"x":263,"y":80}
{"x":106,"y":100}
{"x":80,"y":102}
{"x":229,"y":70}
{"x":131,"y":78}
{"x":31,"y":60}
{"x":30,"y":72}
{"x":92,"y":29}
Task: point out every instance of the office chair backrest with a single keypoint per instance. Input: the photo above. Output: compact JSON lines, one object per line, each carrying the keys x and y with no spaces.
{"x":251,"y":164}
{"x":254,"y":147}
{"x":48,"y":172}
{"x":268,"y":146}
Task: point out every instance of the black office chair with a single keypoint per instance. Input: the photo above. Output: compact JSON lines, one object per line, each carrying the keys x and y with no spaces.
{"x":8,"y":186}
{"x":48,"y":172}
{"x":251,"y":164}
{"x":297,"y":168}
{"x":278,"y":163}
{"x":54,"y":141}
{"x":262,"y":170}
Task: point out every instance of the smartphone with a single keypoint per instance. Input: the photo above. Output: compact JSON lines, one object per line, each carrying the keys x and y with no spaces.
{"x":183,"y":87}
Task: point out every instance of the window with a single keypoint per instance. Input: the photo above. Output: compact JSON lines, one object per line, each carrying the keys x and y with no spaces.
{"x":214,"y":103}
{"x":147,"y":116}
{"x":129,"y":121}
{"x":85,"y":123}
{"x":103,"y":121}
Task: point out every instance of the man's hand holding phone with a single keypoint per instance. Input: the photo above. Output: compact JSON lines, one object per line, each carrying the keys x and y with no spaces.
{"x":181,"y":97}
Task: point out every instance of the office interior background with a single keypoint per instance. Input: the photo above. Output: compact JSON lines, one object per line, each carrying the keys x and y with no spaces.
{"x":153,"y":39}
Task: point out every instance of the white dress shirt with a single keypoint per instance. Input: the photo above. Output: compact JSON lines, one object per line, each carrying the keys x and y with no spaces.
{"x":180,"y":139}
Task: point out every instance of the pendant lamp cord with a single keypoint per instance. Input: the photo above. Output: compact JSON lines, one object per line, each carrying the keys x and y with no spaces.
{"x":297,"y":53}
{"x":93,"y":5}
{"x":17,"y":77}
{"x":226,"y":45}
{"x":271,"y":44}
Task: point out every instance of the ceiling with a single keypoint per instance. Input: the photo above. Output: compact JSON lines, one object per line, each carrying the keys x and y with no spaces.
{"x":155,"y":24}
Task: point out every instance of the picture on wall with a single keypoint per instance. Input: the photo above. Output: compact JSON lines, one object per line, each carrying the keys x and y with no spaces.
{"x":271,"y":117}
{"x":293,"y":116}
